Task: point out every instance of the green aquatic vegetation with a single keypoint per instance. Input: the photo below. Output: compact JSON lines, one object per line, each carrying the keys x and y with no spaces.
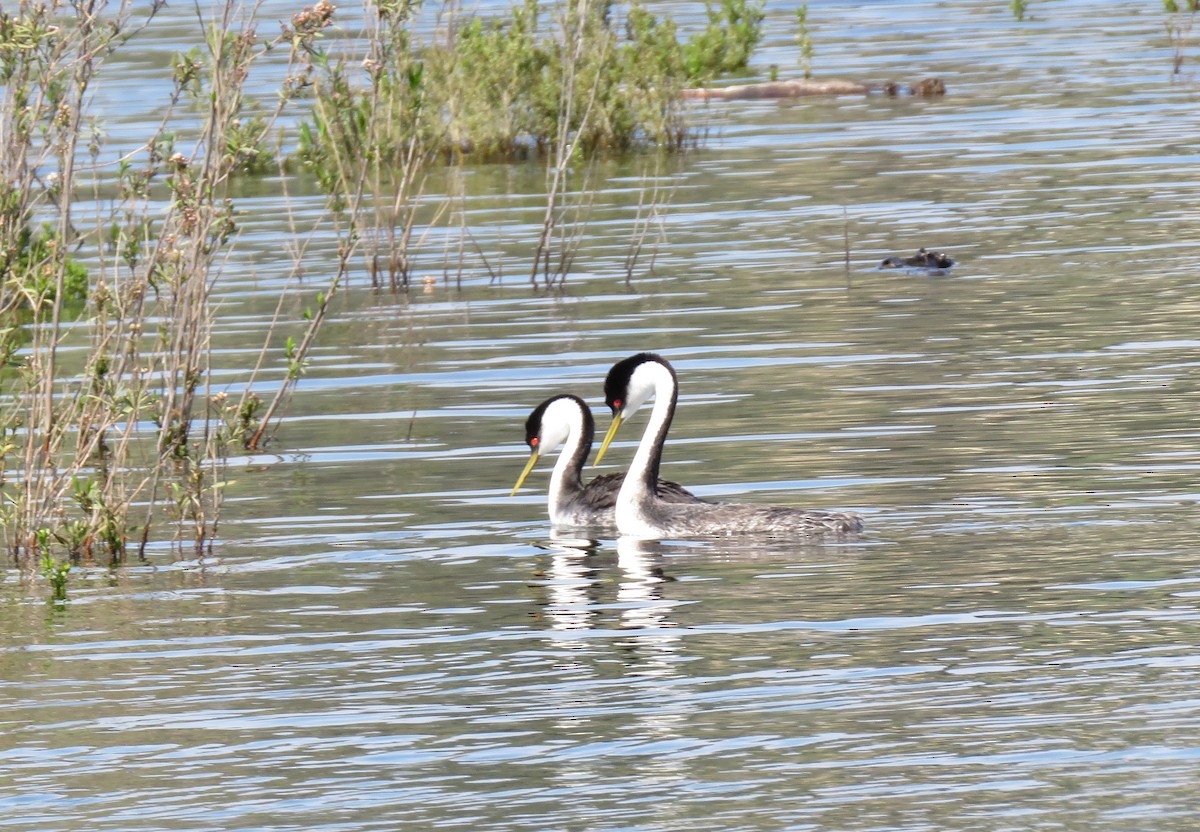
{"x":727,"y":42}
{"x":505,"y":88}
{"x":241,"y":418}
{"x":247,"y":146}
{"x":53,"y":570}
{"x":31,"y":267}
{"x":492,"y":83}
{"x":804,"y":41}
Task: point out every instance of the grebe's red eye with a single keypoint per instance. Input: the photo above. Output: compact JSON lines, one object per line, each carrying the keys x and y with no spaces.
{"x":617,"y":404}
{"x":534,"y":442}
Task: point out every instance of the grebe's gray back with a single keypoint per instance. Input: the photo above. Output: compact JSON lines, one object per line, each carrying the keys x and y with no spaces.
{"x":565,"y":420}
{"x":641,"y":510}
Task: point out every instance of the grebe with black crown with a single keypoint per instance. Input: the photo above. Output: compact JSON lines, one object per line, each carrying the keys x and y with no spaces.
{"x":566,"y":420}
{"x":641,"y":510}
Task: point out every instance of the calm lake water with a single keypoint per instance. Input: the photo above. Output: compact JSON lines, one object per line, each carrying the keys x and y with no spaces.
{"x":384,"y":639}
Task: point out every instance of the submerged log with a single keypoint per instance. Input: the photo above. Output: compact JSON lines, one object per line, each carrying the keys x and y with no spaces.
{"x":798,"y":88}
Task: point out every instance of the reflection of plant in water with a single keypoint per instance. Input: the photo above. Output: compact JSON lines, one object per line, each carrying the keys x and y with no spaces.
{"x":1018,"y":8}
{"x":1180,"y":19}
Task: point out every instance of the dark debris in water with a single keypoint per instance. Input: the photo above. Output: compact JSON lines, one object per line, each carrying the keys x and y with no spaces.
{"x":932,"y":262}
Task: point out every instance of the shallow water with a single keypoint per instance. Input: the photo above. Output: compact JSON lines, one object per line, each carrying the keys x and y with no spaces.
{"x":384,"y":639}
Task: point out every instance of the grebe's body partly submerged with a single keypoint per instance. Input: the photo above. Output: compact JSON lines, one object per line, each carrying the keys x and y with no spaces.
{"x":566,"y":420}
{"x":641,"y":509}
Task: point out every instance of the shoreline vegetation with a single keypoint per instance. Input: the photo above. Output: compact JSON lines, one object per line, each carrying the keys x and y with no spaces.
{"x":113,"y":434}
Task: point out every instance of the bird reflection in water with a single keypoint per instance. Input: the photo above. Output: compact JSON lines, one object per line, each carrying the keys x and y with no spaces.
{"x":641,"y":588}
{"x":571,"y":582}
{"x":589,"y":628}
{"x":577,"y":581}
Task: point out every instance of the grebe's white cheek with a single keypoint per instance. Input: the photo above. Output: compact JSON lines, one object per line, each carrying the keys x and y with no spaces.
{"x":632,"y":406}
{"x":639,"y":390}
{"x":560,"y":419}
{"x":552,"y":436}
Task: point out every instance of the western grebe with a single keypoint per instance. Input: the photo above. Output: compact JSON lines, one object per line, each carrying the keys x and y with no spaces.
{"x":641,"y":511}
{"x":566,"y":420}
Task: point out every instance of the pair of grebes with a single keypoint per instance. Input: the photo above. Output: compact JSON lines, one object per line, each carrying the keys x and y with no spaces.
{"x":639,"y":503}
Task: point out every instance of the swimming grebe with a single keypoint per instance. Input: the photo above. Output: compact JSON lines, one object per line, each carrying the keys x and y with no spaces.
{"x":641,"y":510}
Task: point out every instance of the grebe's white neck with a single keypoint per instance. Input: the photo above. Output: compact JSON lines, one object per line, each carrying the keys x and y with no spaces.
{"x":565,"y":423}
{"x":650,"y":378}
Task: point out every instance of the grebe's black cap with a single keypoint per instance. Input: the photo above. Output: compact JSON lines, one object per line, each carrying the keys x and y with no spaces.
{"x":533,"y":425}
{"x":616,"y":385}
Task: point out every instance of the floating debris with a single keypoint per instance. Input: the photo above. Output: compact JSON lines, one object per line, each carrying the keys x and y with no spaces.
{"x":805,"y":87}
{"x":931,"y":261}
